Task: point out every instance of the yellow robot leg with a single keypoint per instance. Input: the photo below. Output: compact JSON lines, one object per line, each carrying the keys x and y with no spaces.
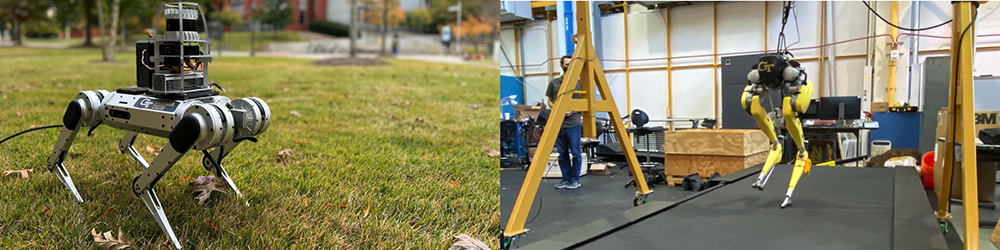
{"x":794,"y":127}
{"x":765,"y":124}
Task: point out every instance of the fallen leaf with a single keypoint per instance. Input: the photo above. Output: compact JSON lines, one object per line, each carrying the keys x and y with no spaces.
{"x":408,"y":176}
{"x":407,"y":103}
{"x":210,"y":224}
{"x":75,"y":155}
{"x":474,"y":106}
{"x":465,"y":242}
{"x":41,"y":134}
{"x":419,"y":119}
{"x":152,"y":150}
{"x":493,"y":153}
{"x":108,"y":241}
{"x":285,"y":155}
{"x":206,"y":190}
{"x":24,"y":172}
{"x":301,"y":142}
{"x":60,"y":85}
{"x":52,"y":102}
{"x":285,"y":89}
{"x":368,"y":209}
{"x":464,"y":83}
{"x":452,"y":183}
{"x":295,"y":113}
{"x":347,"y":96}
{"x":201,"y":180}
{"x":335,"y":205}
{"x":143,"y":136}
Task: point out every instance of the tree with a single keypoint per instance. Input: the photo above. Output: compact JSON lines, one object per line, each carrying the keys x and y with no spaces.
{"x":18,"y":12}
{"x":419,"y":18}
{"x":277,"y":13}
{"x":109,"y":54}
{"x":253,"y":17}
{"x":354,"y":28}
{"x":384,"y":13}
{"x":375,"y":9}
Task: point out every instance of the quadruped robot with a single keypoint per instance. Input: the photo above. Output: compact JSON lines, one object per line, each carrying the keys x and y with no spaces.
{"x":173,"y":99}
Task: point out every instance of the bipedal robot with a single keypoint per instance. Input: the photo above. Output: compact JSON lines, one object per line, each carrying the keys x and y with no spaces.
{"x":173,"y":99}
{"x":779,"y":72}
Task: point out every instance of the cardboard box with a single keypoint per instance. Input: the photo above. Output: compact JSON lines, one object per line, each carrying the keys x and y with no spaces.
{"x":984,"y":120}
{"x":985,"y":173}
{"x":523,"y":112}
{"x":600,"y":169}
{"x":880,"y":107}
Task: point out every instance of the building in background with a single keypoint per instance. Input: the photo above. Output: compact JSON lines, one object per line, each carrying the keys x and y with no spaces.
{"x":305,"y":12}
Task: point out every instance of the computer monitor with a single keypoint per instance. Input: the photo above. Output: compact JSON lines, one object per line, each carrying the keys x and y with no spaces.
{"x":840,"y":108}
{"x":812,"y":112}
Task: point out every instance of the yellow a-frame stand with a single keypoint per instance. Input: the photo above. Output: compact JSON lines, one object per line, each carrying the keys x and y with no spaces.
{"x":960,"y":105}
{"x":587,"y":69}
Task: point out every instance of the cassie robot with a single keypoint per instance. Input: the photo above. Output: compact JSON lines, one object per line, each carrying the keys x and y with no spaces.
{"x":172,"y":99}
{"x":780,"y":72}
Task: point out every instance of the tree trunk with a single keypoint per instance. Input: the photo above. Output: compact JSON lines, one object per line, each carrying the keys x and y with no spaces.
{"x":16,"y":33}
{"x":253,"y":39}
{"x":88,"y":4}
{"x":113,"y":32}
{"x":354,"y":28}
{"x":385,"y":25}
{"x":100,"y":29}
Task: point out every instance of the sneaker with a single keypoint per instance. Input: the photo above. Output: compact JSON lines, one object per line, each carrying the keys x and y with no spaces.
{"x":573,"y":185}
{"x":562,"y":184}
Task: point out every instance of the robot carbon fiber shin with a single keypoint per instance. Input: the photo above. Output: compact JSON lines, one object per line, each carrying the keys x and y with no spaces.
{"x":779,"y":72}
{"x":172,"y":99}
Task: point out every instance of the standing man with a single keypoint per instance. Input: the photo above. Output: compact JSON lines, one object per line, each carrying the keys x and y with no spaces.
{"x":568,"y":142}
{"x":395,"y":45}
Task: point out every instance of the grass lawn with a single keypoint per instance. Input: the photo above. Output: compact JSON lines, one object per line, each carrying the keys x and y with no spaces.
{"x":240,"y":40}
{"x":235,"y":40}
{"x":385,"y":157}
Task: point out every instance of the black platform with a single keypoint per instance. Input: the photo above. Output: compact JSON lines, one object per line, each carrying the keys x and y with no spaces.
{"x":833,"y":208}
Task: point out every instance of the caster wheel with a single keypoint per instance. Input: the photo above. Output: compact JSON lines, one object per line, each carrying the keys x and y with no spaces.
{"x":506,"y":242}
{"x":639,"y":200}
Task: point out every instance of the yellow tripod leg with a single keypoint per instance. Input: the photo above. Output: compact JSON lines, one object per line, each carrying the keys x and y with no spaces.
{"x":765,"y":124}
{"x":802,"y":162}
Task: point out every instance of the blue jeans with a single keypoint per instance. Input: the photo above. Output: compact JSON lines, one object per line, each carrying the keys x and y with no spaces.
{"x":568,"y":143}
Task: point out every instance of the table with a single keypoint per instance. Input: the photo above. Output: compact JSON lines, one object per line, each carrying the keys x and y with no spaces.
{"x":825,"y":131}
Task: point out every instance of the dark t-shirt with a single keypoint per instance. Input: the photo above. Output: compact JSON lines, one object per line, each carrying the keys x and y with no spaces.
{"x":553,"y":91}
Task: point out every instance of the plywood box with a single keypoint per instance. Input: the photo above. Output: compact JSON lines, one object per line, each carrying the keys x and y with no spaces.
{"x":715,"y":142}
{"x":709,"y":151}
{"x":706,"y":165}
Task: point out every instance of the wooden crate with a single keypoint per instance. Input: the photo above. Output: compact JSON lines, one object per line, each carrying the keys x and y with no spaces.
{"x":725,"y":142}
{"x":706,"y":165}
{"x":709,"y":151}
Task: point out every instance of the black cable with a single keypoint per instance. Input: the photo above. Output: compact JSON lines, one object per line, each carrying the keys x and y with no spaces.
{"x":29,"y":130}
{"x":539,"y":211}
{"x":958,"y":56}
{"x":906,"y":29}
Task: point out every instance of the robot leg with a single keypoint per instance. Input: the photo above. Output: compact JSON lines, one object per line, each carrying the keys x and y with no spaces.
{"x":751,"y":103}
{"x":791,"y":106}
{"x":81,"y":112}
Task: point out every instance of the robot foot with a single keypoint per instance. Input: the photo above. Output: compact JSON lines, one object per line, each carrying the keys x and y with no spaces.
{"x":758,"y":185}
{"x":787,"y":202}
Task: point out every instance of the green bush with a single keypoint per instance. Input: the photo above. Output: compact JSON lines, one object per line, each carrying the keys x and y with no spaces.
{"x":330,"y":28}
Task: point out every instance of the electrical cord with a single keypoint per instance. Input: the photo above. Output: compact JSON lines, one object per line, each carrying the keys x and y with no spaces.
{"x":958,"y":56}
{"x":29,"y":130}
{"x":906,"y":29}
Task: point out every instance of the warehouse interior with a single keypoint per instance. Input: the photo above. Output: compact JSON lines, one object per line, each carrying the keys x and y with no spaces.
{"x":871,"y":100}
